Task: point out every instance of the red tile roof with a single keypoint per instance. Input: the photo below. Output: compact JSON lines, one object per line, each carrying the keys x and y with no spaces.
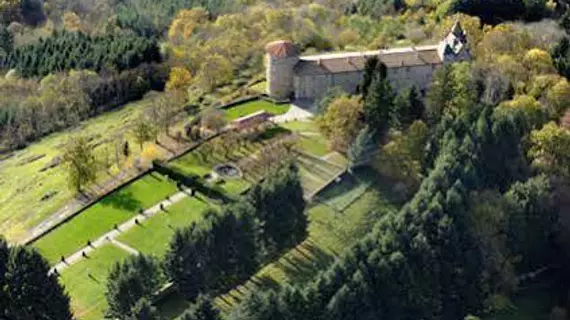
{"x":282,"y":49}
{"x":350,"y":62}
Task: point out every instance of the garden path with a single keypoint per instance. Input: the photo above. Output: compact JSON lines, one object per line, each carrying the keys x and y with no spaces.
{"x":110,"y":237}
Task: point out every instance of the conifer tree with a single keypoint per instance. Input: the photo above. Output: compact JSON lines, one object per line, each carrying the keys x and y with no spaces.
{"x":136,"y":278}
{"x":27,"y":291}
{"x":202,"y":309}
{"x":378,"y":104}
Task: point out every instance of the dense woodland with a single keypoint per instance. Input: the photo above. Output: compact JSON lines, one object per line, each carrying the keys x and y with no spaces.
{"x":483,"y":156}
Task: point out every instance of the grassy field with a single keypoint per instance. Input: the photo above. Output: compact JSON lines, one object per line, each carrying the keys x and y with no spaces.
{"x":154,"y":234}
{"x":253,"y":106}
{"x":315,"y":173}
{"x":310,"y":140}
{"x":95,"y":221}
{"x":23,"y":184}
{"x":86,"y":281}
{"x":331,"y":231}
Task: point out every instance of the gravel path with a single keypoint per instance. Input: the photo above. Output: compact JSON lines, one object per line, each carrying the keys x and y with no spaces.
{"x":110,"y":237}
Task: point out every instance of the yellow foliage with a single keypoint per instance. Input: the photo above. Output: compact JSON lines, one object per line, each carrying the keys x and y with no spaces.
{"x":541,"y":83}
{"x":150,"y":153}
{"x":185,"y":22}
{"x":528,"y":104}
{"x":558,"y":98}
{"x":549,"y":148}
{"x":72,"y":22}
{"x":180,"y":78}
{"x":341,"y":124}
{"x":538,"y":61}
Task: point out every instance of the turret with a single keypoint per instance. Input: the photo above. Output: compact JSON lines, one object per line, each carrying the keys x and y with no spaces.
{"x":281,"y":56}
{"x":454,"y":47}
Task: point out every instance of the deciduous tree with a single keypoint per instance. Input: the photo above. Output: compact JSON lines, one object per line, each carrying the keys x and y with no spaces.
{"x":342,"y":122}
{"x":80,"y":162}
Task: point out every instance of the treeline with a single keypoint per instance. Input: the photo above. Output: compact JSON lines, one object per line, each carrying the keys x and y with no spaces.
{"x":32,"y":110}
{"x":222,"y":250}
{"x":468,"y":227}
{"x":64,"y":51}
{"x":151,"y":18}
{"x":385,"y":275}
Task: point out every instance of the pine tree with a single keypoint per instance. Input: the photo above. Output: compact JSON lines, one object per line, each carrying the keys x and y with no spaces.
{"x":143,"y":310}
{"x":28,"y":291}
{"x":360,"y":151}
{"x":186,"y":261}
{"x":378,"y":104}
{"x":136,"y":278}
{"x":202,"y":309}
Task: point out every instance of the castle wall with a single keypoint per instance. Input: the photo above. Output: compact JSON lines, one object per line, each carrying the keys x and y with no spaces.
{"x":313,"y":87}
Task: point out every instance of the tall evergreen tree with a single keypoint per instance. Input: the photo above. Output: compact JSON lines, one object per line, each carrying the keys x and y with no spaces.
{"x":378,"y":104}
{"x":143,"y":310}
{"x":361,"y":150}
{"x":202,"y":309}
{"x":27,"y":290}
{"x":186,"y":261}
{"x":136,"y":278}
{"x":280,"y":206}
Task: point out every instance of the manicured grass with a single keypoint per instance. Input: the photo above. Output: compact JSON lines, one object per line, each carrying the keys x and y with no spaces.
{"x":342,"y":194}
{"x":314,"y":144}
{"x":23,"y":184}
{"x":100,"y":218}
{"x":310,"y":139}
{"x":300,"y":126}
{"x":330,"y":232}
{"x":192,"y":164}
{"x":200,"y":162}
{"x":253,"y":106}
{"x":315,"y":173}
{"x":86,"y":282}
{"x":154,"y":234}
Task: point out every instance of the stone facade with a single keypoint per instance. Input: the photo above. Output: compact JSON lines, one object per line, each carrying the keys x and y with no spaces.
{"x":309,"y":77}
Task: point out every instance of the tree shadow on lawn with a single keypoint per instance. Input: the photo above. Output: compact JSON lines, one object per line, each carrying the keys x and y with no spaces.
{"x":304,"y":262}
{"x":123,"y":200}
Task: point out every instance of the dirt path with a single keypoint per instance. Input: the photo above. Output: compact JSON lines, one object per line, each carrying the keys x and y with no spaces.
{"x":110,"y":237}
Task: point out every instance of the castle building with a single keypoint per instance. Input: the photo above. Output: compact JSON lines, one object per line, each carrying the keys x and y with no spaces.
{"x":290,"y":75}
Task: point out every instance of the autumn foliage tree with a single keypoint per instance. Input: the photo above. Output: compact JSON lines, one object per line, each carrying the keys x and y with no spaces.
{"x":342,"y":122}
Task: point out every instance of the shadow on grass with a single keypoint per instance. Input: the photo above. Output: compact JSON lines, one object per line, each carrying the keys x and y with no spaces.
{"x":305,"y":262}
{"x":123,"y":200}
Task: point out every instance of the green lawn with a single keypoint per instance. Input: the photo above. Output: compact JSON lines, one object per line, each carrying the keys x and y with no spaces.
{"x":300,"y":126}
{"x":253,"y":106}
{"x":313,"y":144}
{"x":95,"y":221}
{"x":86,"y":282}
{"x":330,"y":232}
{"x":154,"y":234}
{"x":310,"y":140}
{"x":23,"y":184}
{"x":196,"y":163}
{"x":315,"y":173}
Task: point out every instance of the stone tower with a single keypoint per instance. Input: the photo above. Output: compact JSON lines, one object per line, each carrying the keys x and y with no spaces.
{"x":454,"y":46}
{"x":281,"y":57}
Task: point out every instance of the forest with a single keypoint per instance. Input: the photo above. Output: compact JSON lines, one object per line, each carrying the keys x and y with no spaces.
{"x":481,"y":158}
